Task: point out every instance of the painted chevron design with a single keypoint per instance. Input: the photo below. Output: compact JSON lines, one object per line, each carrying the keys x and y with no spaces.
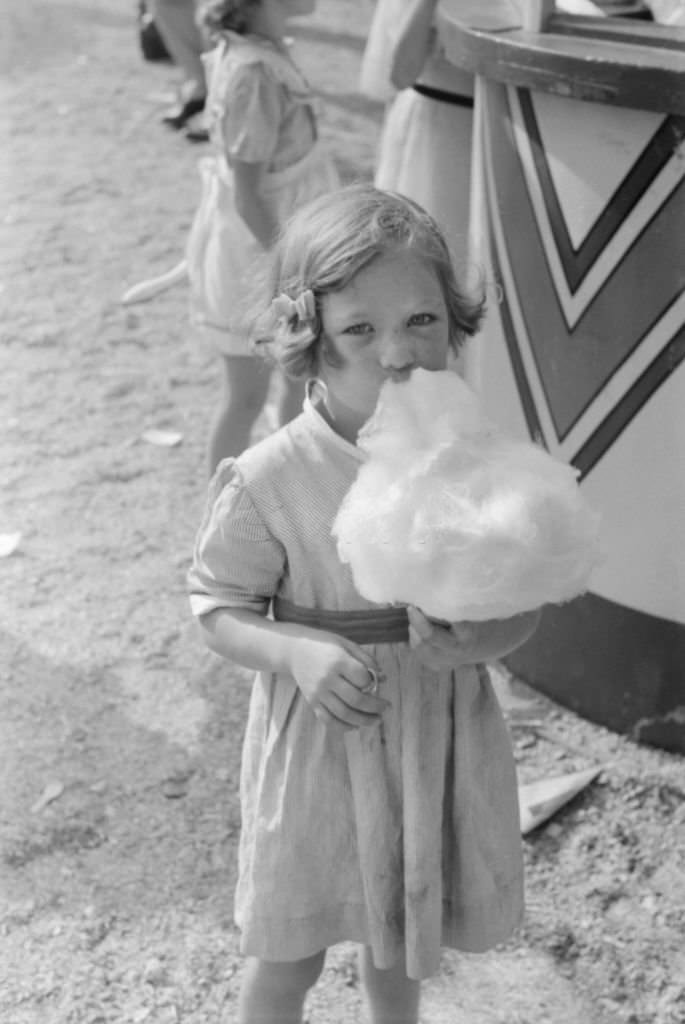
{"x":580,"y":272}
{"x":585,"y":361}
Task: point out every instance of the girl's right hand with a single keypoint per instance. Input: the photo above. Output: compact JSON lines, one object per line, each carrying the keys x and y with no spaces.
{"x":338,"y":679}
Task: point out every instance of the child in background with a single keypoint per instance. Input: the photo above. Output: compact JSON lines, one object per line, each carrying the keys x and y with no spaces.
{"x":268,"y":160}
{"x":425,"y":150}
{"x":378,"y":789}
{"x":261,"y":119}
{"x":175,"y":22}
{"x":426,"y":144}
{"x":374,"y":72}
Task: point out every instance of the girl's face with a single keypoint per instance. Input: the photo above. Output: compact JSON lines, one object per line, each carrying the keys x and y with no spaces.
{"x":390,"y":319}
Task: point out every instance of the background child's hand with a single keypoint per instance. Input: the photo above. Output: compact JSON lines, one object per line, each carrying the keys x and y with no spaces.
{"x":338,"y":680}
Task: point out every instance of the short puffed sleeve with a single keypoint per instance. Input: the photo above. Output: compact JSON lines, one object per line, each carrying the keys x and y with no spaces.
{"x":253,"y":114}
{"x":237,"y":563}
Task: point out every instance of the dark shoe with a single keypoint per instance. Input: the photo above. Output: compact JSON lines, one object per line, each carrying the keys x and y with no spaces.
{"x":177,"y":116}
{"x":197,"y":135}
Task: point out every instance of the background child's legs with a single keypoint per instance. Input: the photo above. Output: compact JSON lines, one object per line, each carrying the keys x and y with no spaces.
{"x":274,"y":993}
{"x":175,"y":20}
{"x":393,"y":997}
{"x":245,"y":392}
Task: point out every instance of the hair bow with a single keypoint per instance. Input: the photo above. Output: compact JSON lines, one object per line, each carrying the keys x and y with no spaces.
{"x":303,"y":307}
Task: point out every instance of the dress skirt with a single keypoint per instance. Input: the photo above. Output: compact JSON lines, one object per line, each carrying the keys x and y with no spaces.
{"x":403,"y":836}
{"x":225,"y":260}
{"x":425,"y":154}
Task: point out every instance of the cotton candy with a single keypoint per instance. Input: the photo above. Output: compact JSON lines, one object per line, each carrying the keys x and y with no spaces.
{"x":452,"y":516}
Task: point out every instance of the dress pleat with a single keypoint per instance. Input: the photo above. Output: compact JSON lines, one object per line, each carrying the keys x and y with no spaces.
{"x":423,"y":776}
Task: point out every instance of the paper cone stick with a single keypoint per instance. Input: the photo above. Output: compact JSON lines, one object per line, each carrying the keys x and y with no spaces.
{"x":539,"y":800}
{"x":154,"y":285}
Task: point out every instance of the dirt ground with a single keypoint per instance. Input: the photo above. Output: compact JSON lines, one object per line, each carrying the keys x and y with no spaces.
{"x":120,"y":733}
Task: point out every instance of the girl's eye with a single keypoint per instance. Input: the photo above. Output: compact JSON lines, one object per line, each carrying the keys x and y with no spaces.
{"x":422,"y":319}
{"x":358,"y":329}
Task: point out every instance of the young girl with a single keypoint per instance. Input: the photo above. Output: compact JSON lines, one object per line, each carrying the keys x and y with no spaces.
{"x":378,"y":788}
{"x":268,"y":160}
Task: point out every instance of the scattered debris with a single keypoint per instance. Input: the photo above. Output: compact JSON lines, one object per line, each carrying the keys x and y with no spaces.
{"x":9,"y":542}
{"x":176,"y":785}
{"x":162,"y":438}
{"x":145,"y":290}
{"x":540,"y":800}
{"x":525,"y":742}
{"x":52,"y":791}
{"x":514,"y":697}
{"x":155,"y":973}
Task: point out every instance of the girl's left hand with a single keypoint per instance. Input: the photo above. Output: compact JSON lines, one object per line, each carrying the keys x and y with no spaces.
{"x":440,"y":647}
{"x":467,"y":643}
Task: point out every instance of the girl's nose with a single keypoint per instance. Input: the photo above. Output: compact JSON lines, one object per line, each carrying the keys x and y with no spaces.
{"x":397,"y":351}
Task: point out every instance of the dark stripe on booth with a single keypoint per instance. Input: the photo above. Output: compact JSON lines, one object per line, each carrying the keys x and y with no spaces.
{"x":524,"y":392}
{"x":620,"y":416}
{"x":614,"y":665}
{"x":656,"y":153}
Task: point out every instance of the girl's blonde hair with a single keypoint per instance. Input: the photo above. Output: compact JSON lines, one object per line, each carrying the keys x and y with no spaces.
{"x":331,"y":239}
{"x":216,"y":16}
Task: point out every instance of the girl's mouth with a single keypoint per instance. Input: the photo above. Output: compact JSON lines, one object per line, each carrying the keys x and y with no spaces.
{"x":400,"y":375}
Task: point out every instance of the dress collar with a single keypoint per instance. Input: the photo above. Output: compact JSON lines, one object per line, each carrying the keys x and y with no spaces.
{"x":324,"y":430}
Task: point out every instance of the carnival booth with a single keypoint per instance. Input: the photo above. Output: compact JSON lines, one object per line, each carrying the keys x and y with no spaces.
{"x":578,"y":218}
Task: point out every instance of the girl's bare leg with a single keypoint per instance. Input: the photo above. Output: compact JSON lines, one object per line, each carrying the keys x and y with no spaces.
{"x":246,"y":389}
{"x":393,"y":997}
{"x":274,"y":993}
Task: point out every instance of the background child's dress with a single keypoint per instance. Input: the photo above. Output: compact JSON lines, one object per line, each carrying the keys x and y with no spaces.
{"x":260,"y":109}
{"x":407,"y":832}
{"x":425,"y":149}
{"x":374,"y":73}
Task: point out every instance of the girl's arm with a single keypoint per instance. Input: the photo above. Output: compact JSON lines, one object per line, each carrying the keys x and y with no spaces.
{"x":331,"y":672}
{"x":468,"y":643}
{"x":250,"y":204}
{"x":412,"y":43}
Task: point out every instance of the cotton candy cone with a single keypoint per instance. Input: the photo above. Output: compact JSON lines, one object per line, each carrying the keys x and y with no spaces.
{"x":539,"y":800}
{"x":450,"y":515}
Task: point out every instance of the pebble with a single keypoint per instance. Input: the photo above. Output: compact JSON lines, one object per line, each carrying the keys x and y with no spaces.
{"x":155,"y":973}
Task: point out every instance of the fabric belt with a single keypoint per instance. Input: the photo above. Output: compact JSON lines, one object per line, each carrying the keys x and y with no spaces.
{"x":444,"y":97}
{"x":370,"y":626}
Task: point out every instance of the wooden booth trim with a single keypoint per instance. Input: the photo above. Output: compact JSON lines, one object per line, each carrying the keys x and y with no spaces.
{"x":602,"y":60}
